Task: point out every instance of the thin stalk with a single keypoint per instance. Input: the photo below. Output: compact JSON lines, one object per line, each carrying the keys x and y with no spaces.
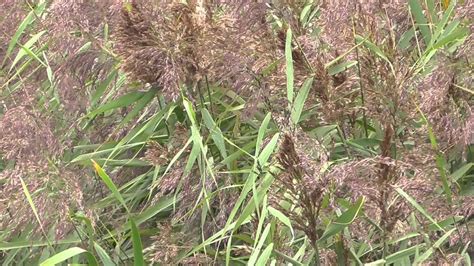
{"x":209,"y":95}
{"x":201,"y":97}
{"x":317,"y":258}
{"x":166,"y":121}
{"x":364,"y":117}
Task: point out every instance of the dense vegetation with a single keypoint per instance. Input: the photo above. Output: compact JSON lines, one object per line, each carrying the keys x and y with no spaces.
{"x":236,"y":132}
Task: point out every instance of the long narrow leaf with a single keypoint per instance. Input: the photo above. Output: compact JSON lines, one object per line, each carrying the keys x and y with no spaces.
{"x":110,"y":184}
{"x":300,"y":100}
{"x":253,"y":258}
{"x":436,"y":246}
{"x":67,"y":254}
{"x":417,"y":206}
{"x":215,"y":131}
{"x":122,"y":101}
{"x":344,"y":220}
{"x":137,"y":245}
{"x":21,"y":53}
{"x":32,"y":206}
{"x":22,"y":27}
{"x":103,"y":256}
{"x":422,"y":22}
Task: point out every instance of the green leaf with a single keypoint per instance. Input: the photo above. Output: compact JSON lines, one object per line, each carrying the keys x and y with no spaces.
{"x":110,"y":184}
{"x":282,"y":217}
{"x":84,"y":48}
{"x":69,"y":253}
{"x":32,"y":206}
{"x":455,"y":35}
{"x":22,"y":27}
{"x":259,"y":160}
{"x":436,"y":246}
{"x":300,"y":100}
{"x":466,"y":254}
{"x":103,"y":256}
{"x":377,"y":263}
{"x":253,"y":258}
{"x":163,"y":204}
{"x":139,"y":107}
{"x":305,"y":13}
{"x":452,"y":26}
{"x":266,"y":253}
{"x":458,"y":174}
{"x":251,"y":206}
{"x":22,"y":52}
{"x":99,"y":153}
{"x":194,"y":154}
{"x":261,"y":220}
{"x":99,"y":92}
{"x":268,"y":150}
{"x":214,"y":238}
{"x":421,"y":21}
{"x":440,"y":160}
{"x":177,"y":155}
{"x":372,"y":47}
{"x":405,"y":39}
{"x":289,"y":66}
{"x":343,"y":221}
{"x":216,"y":133}
{"x":322,"y":131}
{"x":333,"y":70}
{"x":137,"y":245}
{"x":446,"y":223}
{"x":35,"y":243}
{"x":366,"y":142}
{"x":32,"y":55}
{"x":261,"y":133}
{"x":144,"y":131}
{"x":432,"y":10}
{"x":440,"y":26}
{"x":122,"y":101}
{"x":417,"y":206}
{"x":402,"y":254}
{"x":335,"y":60}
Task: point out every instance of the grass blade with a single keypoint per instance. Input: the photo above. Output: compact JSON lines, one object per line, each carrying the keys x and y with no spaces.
{"x":137,"y":245}
{"x":122,"y":101}
{"x":67,"y":254}
{"x":21,"y":53}
{"x":110,"y":184}
{"x":421,"y":21}
{"x":417,"y":206}
{"x":333,"y":70}
{"x":300,"y":100}
{"x":33,"y":208}
{"x":256,"y":251}
{"x":103,"y":256}
{"x":458,"y":174}
{"x":22,"y":27}
{"x":282,"y":218}
{"x":266,"y":253}
{"x":344,"y":220}
{"x":140,"y":105}
{"x":440,"y":160}
{"x":215,"y":131}
{"x":436,"y":246}
{"x":402,"y":254}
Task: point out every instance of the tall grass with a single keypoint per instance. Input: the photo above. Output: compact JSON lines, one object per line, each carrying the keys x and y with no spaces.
{"x":238,"y":132}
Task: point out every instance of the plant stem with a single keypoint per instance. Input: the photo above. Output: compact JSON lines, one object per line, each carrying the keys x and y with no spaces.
{"x":316,"y":258}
